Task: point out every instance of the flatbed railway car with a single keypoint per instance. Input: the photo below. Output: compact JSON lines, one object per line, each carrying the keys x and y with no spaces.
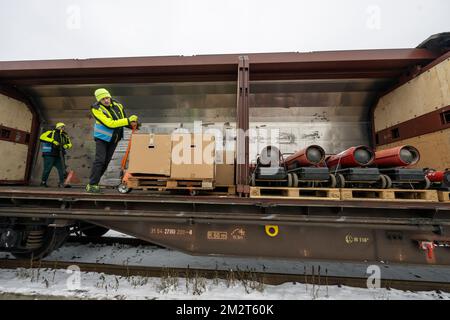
{"x":380,"y":98}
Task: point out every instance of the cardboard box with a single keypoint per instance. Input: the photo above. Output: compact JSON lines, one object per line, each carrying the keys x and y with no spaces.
{"x":224,"y":156}
{"x":224,"y":175}
{"x":193,"y":157}
{"x":150,"y":154}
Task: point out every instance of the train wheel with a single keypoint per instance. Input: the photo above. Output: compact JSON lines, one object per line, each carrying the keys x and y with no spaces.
{"x":40,"y":243}
{"x":294,"y":180}
{"x":332,"y":181}
{"x":388,"y":182}
{"x":123,"y":188}
{"x":340,"y":181}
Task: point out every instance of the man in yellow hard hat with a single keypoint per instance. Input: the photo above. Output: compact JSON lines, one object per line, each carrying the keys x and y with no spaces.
{"x":54,"y":145}
{"x":110,"y":119}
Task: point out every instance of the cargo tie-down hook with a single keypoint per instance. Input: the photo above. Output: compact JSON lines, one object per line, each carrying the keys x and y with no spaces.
{"x":272,"y":230}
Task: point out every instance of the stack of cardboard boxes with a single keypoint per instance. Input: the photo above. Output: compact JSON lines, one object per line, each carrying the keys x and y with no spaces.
{"x":181,"y":156}
{"x":150,"y":154}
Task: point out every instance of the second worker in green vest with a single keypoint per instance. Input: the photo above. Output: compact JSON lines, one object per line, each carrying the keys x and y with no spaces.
{"x":110,"y":119}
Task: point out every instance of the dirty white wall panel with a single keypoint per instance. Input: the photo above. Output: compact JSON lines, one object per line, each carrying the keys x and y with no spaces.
{"x":426,"y":93}
{"x":13,"y":161}
{"x":15,"y":114}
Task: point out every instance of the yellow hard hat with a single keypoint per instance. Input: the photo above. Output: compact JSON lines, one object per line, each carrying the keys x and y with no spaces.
{"x":101,"y":93}
{"x":59,"y":125}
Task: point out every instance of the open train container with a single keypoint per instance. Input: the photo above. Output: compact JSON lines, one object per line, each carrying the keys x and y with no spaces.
{"x":380,"y":98}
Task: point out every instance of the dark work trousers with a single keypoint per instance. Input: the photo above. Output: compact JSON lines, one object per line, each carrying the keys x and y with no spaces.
{"x":103,"y":154}
{"x":49,"y":163}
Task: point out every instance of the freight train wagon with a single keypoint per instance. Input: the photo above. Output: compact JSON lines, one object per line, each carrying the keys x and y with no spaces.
{"x":380,"y":98}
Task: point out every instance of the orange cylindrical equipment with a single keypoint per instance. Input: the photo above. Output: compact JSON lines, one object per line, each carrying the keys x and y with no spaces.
{"x":438,"y":176}
{"x":397,"y":157}
{"x":309,"y":156}
{"x":359,"y":156}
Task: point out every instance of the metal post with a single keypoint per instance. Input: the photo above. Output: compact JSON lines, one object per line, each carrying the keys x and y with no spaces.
{"x":242,"y":115}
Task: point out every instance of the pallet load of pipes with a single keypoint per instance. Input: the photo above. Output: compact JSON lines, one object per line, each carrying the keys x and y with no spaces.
{"x":352,"y":168}
{"x":307,"y":168}
{"x":393,"y":164}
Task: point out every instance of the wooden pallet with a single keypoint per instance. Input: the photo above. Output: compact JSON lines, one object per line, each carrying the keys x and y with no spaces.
{"x":295,"y":193}
{"x":149,"y":182}
{"x":224,"y":190}
{"x":389,"y":195}
{"x":162,"y":183}
{"x":444,"y":196}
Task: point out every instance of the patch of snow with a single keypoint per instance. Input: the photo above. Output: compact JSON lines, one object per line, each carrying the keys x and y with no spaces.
{"x":90,"y":285}
{"x":157,"y":257}
{"x":116,"y":234}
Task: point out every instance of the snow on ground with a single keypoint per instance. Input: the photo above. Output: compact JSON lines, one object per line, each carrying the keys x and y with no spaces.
{"x":61,"y":283}
{"x":100,"y":286}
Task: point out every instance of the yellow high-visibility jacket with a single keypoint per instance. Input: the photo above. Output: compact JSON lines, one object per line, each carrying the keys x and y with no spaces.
{"x":53,"y":141}
{"x":109,"y":121}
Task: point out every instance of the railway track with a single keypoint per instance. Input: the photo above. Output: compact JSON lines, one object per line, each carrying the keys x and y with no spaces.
{"x":314,"y":276}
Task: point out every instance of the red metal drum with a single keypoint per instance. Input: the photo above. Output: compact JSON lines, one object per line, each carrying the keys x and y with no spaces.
{"x":359,"y":156}
{"x":438,"y":176}
{"x":309,"y":156}
{"x":397,"y":157}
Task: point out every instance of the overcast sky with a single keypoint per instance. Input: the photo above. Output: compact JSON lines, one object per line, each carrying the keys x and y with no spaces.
{"x":54,"y":29}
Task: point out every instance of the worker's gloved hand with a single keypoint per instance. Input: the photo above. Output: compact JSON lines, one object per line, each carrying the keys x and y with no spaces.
{"x":66,"y":146}
{"x":133,"y":118}
{"x":56,"y":143}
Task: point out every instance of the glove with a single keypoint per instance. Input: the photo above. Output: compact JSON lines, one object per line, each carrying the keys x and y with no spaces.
{"x":133,"y":118}
{"x":66,"y":146}
{"x":56,"y":143}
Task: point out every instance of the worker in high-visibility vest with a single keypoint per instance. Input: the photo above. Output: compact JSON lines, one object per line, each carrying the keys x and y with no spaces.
{"x":110,"y":119}
{"x":54,"y":145}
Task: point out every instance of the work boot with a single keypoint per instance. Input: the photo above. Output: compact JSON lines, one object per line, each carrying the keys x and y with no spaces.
{"x":92,"y":188}
{"x":44,"y":184}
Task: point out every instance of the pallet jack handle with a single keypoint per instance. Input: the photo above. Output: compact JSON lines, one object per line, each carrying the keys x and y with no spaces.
{"x":134,"y":127}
